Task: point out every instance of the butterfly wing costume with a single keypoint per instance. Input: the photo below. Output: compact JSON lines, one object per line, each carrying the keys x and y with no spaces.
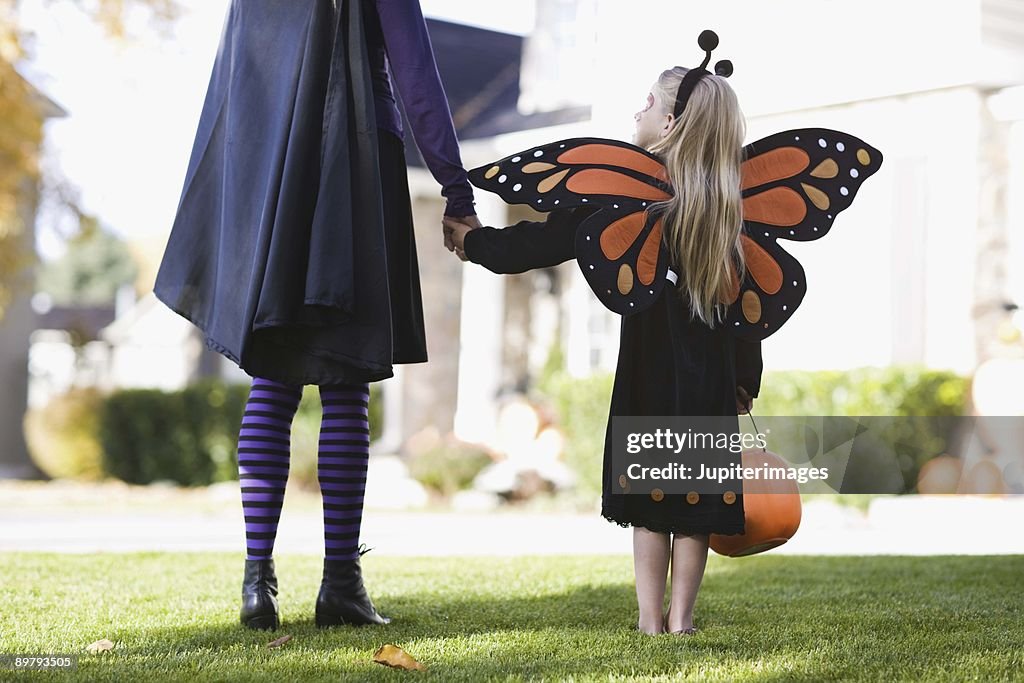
{"x":793,"y":185}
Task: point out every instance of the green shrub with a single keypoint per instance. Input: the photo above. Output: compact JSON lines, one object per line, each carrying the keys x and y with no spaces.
{"x":581,"y":406}
{"x":191,"y":436}
{"x":147,"y":435}
{"x":63,"y":436}
{"x":306,"y":434}
{"x":448,"y":466}
{"x":214,"y":410}
{"x":305,"y":439}
{"x":904,"y":392}
{"x":188,"y":437}
{"x":888,"y":391}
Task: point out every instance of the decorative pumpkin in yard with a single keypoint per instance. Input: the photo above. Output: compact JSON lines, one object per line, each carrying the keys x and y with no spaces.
{"x":941,"y":474}
{"x":984,"y":478}
{"x":771,"y":509}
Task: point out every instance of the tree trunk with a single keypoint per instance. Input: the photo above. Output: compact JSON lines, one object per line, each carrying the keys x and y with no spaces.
{"x":16,"y":326}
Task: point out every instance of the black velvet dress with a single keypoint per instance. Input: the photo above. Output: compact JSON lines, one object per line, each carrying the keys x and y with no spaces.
{"x":668,"y":365}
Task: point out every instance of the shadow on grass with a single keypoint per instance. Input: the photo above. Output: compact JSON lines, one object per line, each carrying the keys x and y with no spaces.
{"x":584,"y":632}
{"x":766,"y":618}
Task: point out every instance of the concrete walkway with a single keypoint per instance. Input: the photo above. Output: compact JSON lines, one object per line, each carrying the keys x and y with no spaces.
{"x":115,"y":518}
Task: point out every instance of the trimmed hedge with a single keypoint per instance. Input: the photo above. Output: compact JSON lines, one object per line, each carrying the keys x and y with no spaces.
{"x":63,"y":436}
{"x":582,"y":407}
{"x":449,"y":466}
{"x":188,"y":437}
{"x":901,"y":391}
{"x":306,"y":435}
{"x":890,"y":391}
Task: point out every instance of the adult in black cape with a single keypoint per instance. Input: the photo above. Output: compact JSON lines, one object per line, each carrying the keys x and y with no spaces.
{"x":293,"y":249}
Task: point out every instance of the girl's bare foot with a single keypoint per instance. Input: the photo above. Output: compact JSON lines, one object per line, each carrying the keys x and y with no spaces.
{"x":651,"y":629}
{"x":681,"y":625}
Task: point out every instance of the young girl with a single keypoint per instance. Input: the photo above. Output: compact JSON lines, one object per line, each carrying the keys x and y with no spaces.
{"x":676,"y":357}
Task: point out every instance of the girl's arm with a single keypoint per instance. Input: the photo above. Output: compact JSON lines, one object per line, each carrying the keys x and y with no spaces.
{"x":411,"y":59}
{"x":525,"y":245}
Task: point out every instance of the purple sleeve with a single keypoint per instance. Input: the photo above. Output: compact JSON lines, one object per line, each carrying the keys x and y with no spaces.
{"x":411,"y":58}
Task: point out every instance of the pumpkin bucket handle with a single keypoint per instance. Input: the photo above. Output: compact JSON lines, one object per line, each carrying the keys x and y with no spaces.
{"x":756,"y":430}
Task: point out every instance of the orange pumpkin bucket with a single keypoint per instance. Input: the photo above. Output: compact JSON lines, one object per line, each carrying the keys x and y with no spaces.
{"x":771,"y":509}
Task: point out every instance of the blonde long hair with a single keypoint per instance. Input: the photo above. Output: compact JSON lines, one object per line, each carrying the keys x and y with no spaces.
{"x":702,"y":153}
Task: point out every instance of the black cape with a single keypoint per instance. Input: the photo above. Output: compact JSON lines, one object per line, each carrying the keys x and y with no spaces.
{"x":277,"y":251}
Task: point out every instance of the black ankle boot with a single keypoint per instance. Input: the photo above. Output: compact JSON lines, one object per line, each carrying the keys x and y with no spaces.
{"x":259,"y":595}
{"x":343,"y":598}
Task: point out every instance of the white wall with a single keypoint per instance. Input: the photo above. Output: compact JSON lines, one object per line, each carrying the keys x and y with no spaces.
{"x":481,"y":334}
{"x":893,"y":281}
{"x":152,"y":347}
{"x":788,"y":54}
{"x":1014,"y":111}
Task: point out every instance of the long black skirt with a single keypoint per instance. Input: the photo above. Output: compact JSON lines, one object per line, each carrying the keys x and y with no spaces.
{"x":292,"y":248}
{"x":274,"y":355}
{"x":409,"y":342}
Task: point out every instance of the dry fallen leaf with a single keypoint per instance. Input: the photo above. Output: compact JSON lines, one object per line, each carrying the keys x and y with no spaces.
{"x":100,"y":646}
{"x":279,"y":642}
{"x":396,"y":657}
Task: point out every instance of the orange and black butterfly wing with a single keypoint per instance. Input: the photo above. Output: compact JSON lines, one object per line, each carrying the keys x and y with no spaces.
{"x":794,"y":184}
{"x":772,"y":289}
{"x":577,"y":172}
{"x":618,"y":247}
{"x":620,"y":253}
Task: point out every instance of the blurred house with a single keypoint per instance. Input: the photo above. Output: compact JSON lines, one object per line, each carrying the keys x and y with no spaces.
{"x":135,"y":344}
{"x":477,"y":325}
{"x":64,"y":349}
{"x":151,"y":346}
{"x":917,"y":271}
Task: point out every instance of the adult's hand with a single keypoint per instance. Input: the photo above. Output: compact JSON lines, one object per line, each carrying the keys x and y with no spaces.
{"x":455,"y":233}
{"x":472,"y":222}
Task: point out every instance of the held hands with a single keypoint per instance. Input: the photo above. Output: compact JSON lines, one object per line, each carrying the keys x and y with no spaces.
{"x":743,"y":401}
{"x":455,"y":231}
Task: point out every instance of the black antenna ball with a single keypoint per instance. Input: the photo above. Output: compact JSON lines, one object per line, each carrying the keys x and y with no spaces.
{"x":708,"y":40}
{"x":724,"y":68}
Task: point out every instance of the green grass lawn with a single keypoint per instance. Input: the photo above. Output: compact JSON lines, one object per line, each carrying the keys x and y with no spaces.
{"x":763,"y":618}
